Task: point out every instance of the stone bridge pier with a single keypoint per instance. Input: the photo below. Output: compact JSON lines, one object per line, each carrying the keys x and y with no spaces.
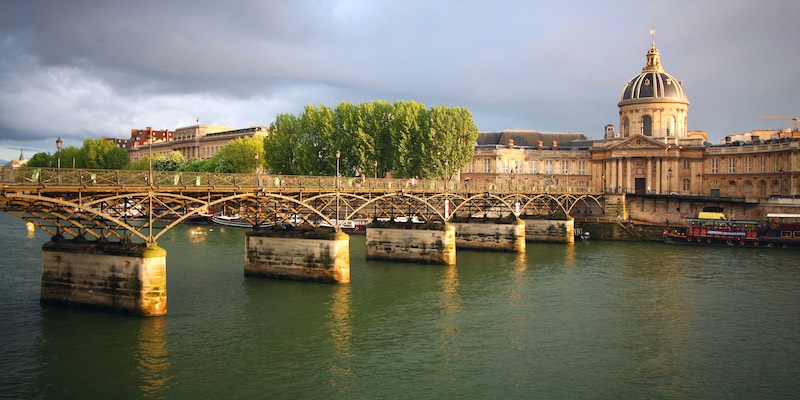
{"x":121,"y":277}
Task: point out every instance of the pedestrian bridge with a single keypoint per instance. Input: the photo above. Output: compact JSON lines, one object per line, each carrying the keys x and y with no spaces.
{"x":105,"y":224}
{"x":140,"y":206}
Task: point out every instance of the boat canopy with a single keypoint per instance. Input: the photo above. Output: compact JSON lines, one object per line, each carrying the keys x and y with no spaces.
{"x":783,"y":215}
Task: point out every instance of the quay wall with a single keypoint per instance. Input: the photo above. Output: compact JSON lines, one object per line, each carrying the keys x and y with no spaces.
{"x":551,"y":231}
{"x":298,"y":257}
{"x":491,"y":236}
{"x":436,"y":244}
{"x":126,"y":278}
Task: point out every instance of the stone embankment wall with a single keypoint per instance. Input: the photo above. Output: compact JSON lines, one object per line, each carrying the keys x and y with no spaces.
{"x":547,"y":230}
{"x":491,"y":236}
{"x":126,"y":278}
{"x":324,"y":258}
{"x":434,"y":244}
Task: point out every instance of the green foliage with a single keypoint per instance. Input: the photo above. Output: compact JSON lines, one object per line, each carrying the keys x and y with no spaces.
{"x":172,"y":161}
{"x":101,"y":154}
{"x":404,"y":138}
{"x":242,"y":155}
{"x":42,"y":160}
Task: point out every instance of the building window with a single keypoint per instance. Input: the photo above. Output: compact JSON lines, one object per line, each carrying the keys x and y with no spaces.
{"x":626,"y":127}
{"x":582,"y":167}
{"x":747,"y":166}
{"x":647,"y":125}
{"x":715,"y":165}
{"x":548,"y":167}
{"x":686,"y":185}
{"x":731,"y":165}
{"x":774,"y":164}
{"x":762,"y":164}
{"x":686,"y":164}
{"x":505,"y":166}
{"x":487,"y":166}
{"x":564,"y":167}
{"x":533,"y":166}
{"x":671,"y":126}
{"x":517,"y":167}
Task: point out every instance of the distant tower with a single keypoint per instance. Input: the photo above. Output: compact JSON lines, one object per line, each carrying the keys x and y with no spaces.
{"x":610,"y":132}
{"x":653,"y":103}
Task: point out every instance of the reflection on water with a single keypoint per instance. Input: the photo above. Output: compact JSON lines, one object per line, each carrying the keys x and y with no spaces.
{"x":341,"y":331}
{"x":196,"y":234}
{"x":631,"y":320}
{"x":152,"y":356}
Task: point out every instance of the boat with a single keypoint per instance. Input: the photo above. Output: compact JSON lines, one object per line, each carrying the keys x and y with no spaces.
{"x":202,"y":218}
{"x":236,"y":221}
{"x":351,"y":226}
{"x":711,"y":227}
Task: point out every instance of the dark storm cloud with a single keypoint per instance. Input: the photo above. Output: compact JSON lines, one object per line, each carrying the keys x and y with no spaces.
{"x":84,"y":69}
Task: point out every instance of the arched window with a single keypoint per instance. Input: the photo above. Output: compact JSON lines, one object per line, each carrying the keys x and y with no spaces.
{"x":647,"y":125}
{"x":671,"y":126}
{"x":732,"y":189}
{"x":748,"y":189}
{"x":626,"y":127}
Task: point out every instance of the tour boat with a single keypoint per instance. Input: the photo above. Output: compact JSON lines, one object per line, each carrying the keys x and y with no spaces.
{"x":712,"y":228}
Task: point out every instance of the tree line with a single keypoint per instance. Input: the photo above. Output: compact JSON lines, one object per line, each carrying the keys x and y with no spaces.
{"x":404,"y":138}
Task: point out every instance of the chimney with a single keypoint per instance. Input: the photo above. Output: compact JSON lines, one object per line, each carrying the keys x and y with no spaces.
{"x":555,"y":145}
{"x":540,"y":144}
{"x":511,"y":144}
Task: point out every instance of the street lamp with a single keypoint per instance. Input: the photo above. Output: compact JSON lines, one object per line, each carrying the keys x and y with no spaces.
{"x":338,"y":155}
{"x":58,"y":147}
{"x":375,"y":165}
{"x":256,"y":158}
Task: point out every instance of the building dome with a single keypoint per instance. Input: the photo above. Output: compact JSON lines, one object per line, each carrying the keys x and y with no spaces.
{"x":653,"y":84}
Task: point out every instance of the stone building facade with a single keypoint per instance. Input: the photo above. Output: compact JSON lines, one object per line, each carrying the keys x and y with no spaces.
{"x":195,"y":141}
{"x":652,"y":152}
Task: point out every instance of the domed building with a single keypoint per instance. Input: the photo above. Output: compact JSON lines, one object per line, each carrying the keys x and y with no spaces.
{"x":653,"y":103}
{"x":653,"y":154}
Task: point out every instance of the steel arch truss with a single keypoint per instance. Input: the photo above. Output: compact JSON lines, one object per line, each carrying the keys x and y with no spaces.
{"x":144,"y":214}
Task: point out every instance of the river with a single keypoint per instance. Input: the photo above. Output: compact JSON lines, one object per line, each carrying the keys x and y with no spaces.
{"x":596,"y":319}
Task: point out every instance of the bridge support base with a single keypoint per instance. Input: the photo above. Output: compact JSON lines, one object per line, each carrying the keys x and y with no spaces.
{"x":126,"y":278}
{"x":430,"y":243}
{"x":312,"y":256}
{"x":550,"y":230}
{"x":480,"y":235}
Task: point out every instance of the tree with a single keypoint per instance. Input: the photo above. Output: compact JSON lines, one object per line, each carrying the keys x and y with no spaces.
{"x":172,"y":161}
{"x":42,"y":160}
{"x":316,"y":150}
{"x":282,"y":145}
{"x":102,"y":154}
{"x":242,"y":155}
{"x":404,"y":138}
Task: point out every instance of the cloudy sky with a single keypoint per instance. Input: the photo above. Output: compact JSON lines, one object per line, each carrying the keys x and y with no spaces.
{"x":84,"y":69}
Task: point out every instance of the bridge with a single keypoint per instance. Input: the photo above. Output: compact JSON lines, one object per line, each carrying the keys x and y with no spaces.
{"x":105,"y":224}
{"x":140,"y":206}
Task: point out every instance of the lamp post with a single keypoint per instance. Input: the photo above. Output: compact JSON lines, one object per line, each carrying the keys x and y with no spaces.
{"x":375,"y":165}
{"x":58,"y":147}
{"x":338,"y":155}
{"x":256,"y":159}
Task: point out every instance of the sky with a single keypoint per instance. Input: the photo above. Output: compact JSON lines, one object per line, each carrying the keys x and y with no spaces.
{"x":84,"y":69}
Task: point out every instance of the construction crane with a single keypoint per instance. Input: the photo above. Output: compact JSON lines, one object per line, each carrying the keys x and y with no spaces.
{"x":795,"y":119}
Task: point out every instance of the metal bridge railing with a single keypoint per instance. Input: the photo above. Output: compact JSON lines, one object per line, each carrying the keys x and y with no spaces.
{"x":44,"y":177}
